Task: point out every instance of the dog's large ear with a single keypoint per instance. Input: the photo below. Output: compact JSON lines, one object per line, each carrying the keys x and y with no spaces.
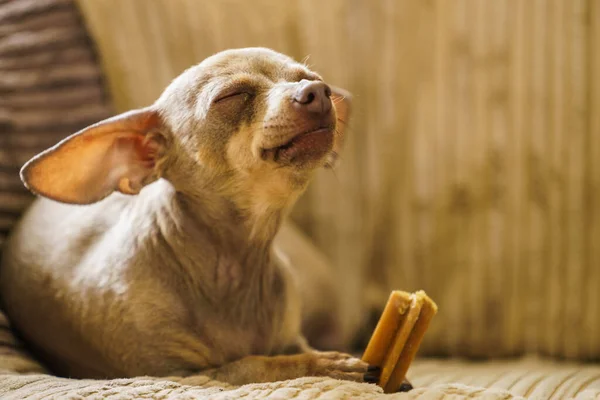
{"x":342,"y":101}
{"x":120,"y":153}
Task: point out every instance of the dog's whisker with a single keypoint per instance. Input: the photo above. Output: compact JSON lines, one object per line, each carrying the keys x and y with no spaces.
{"x":338,"y":99}
{"x":335,"y":175}
{"x":348,"y":129}
{"x":305,"y":61}
{"x":338,"y":133}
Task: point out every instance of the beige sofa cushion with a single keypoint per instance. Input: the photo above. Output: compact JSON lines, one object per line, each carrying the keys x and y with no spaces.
{"x":434,"y":380}
{"x":23,"y":378}
{"x":531,"y":378}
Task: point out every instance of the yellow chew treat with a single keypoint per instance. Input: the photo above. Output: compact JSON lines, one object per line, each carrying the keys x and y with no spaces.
{"x":398,"y":335}
{"x":385,"y":331}
{"x":428,"y":310}
{"x":397,"y":346}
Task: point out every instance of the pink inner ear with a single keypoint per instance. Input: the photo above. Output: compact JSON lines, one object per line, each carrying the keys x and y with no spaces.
{"x":132,"y":161}
{"x":119,"y":153}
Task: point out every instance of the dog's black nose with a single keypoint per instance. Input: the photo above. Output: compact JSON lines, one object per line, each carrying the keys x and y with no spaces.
{"x":314,"y":97}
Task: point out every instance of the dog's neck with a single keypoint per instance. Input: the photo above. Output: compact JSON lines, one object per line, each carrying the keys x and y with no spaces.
{"x":219,"y":241}
{"x":229,"y":224}
{"x":248,"y":206}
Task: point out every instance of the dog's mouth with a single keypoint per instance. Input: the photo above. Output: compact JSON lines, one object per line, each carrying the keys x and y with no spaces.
{"x":307,"y":146}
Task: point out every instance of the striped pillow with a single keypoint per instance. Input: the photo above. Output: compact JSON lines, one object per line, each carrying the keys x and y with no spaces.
{"x":50,"y":86}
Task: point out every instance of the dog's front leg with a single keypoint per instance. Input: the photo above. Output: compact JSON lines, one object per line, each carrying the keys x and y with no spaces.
{"x":260,"y":369}
{"x":302,"y":346}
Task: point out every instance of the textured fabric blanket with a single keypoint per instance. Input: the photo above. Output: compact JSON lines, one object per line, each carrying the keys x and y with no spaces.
{"x":21,"y":377}
{"x":40,"y":386}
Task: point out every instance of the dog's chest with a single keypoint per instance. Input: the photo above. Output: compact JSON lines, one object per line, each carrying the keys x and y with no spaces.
{"x":262,"y":320}
{"x":251,"y":329}
{"x":227,"y":342}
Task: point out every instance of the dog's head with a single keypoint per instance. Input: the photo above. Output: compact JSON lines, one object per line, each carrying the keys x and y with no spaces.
{"x":241,"y":119}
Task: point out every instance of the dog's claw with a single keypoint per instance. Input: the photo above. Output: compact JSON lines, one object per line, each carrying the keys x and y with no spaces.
{"x":405,"y":387}
{"x":372,"y":375}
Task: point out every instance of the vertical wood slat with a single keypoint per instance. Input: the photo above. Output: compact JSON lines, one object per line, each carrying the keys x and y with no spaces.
{"x":496,"y":167}
{"x":576,"y":192}
{"x":515,"y":328}
{"x":554,"y":294}
{"x":592,"y":345}
{"x":480,"y":132}
{"x":534,"y":260}
{"x":471,"y":169}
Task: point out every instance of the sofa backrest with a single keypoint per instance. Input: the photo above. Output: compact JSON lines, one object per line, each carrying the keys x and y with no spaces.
{"x":472,"y":169}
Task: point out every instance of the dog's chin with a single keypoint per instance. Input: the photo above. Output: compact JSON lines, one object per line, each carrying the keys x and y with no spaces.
{"x":304,"y":150}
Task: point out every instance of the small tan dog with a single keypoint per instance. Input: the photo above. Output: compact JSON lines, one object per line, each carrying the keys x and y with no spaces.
{"x":181,"y":278}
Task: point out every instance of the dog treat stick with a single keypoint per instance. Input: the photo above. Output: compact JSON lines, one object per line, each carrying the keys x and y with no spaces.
{"x":398,"y":335}
{"x":387,"y":327}
{"x":428,"y":310}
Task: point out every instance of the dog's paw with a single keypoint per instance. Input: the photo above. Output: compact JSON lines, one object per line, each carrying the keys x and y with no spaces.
{"x":343,"y":366}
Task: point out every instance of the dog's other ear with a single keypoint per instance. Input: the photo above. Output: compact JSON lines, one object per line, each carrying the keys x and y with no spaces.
{"x":119,"y":153}
{"x":342,"y":101}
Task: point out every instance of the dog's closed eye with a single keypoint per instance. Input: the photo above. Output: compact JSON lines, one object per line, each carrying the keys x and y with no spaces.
{"x":234,"y":103}
{"x":240,"y":90}
{"x":234,"y":94}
